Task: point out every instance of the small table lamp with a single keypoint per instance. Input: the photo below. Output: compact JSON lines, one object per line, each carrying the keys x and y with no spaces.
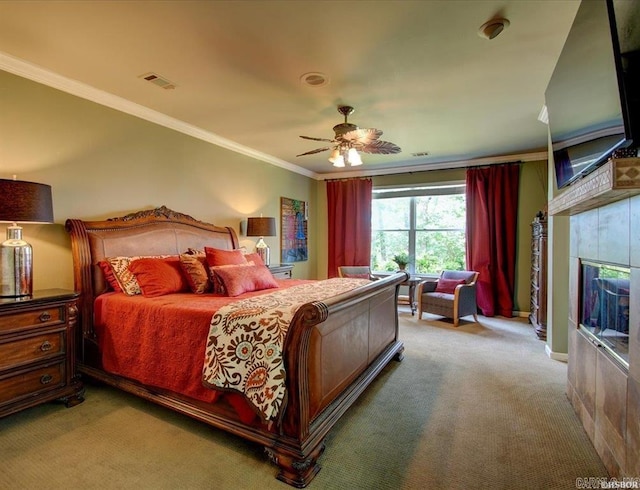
{"x":24,"y":202}
{"x":262,"y":227}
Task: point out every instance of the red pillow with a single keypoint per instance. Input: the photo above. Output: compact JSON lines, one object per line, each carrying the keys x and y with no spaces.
{"x":159,"y":276}
{"x":218,"y":256}
{"x":217,"y":285}
{"x":255,"y":258}
{"x":448,"y":285}
{"x":242,"y":279}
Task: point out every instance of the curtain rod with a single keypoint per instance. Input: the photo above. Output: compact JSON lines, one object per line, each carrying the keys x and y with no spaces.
{"x":412,"y":172}
{"x":347,"y":178}
{"x":515,"y":162}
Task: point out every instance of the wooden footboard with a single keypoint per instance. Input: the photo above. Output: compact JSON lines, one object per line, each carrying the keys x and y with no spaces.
{"x":329,"y":364}
{"x":333,"y":350}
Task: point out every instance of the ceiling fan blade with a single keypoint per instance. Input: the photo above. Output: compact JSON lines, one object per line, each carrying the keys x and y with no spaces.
{"x":379,"y":147}
{"x":362,"y":136}
{"x":317,"y":139}
{"x":318,"y":150}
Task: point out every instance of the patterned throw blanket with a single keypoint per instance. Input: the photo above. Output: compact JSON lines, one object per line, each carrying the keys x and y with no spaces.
{"x":246,"y":338}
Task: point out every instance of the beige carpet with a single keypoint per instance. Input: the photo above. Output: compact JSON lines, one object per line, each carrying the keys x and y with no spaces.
{"x":480,"y":406}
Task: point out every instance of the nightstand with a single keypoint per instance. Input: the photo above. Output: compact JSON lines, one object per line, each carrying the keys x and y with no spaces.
{"x":37,"y":350}
{"x":281,"y":271}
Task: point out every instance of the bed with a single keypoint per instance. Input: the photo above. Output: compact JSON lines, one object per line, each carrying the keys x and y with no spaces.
{"x":333,"y":348}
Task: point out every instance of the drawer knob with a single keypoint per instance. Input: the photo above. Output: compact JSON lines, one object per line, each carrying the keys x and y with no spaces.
{"x":46,"y":379}
{"x":46,"y":345}
{"x":45,"y":316}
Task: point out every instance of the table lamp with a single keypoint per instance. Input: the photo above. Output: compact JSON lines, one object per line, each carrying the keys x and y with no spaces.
{"x":262,"y":227}
{"x":20,"y":202}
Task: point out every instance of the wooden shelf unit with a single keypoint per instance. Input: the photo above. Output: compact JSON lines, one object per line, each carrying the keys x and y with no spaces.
{"x":538,"y":314}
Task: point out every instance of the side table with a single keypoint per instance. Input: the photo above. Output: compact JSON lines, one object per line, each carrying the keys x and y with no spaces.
{"x":410,"y":300}
{"x":281,"y":271}
{"x":37,"y":350}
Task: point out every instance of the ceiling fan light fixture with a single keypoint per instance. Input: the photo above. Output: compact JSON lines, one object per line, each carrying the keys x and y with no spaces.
{"x":338,"y":161}
{"x":348,"y":139}
{"x":353,"y":158}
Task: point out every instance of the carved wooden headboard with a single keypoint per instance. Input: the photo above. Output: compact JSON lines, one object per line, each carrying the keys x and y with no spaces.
{"x":159,"y":231}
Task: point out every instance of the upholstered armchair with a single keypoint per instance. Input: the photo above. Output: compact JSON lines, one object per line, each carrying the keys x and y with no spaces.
{"x":356,"y":271}
{"x":453,"y":295}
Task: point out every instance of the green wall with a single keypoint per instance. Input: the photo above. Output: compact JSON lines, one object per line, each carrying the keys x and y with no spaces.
{"x":102,"y":163}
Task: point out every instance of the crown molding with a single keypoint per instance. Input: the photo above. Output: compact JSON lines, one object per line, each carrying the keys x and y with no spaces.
{"x":41,"y":75}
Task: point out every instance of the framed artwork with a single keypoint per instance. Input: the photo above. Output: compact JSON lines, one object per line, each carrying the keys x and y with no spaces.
{"x":293,"y":215}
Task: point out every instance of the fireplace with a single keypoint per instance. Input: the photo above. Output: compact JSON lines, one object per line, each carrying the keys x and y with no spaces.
{"x":604,"y":307}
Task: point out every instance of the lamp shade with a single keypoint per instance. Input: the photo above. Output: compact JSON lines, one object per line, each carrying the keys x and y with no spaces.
{"x":261,"y":226}
{"x":25,"y":202}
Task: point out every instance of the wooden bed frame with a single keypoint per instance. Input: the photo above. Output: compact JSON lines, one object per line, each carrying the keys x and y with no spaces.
{"x":333,"y":350}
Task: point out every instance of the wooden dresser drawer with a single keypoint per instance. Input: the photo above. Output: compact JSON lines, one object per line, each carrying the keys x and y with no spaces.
{"x":38,"y":317}
{"x":31,"y":383}
{"x":37,"y":350}
{"x":31,"y":349}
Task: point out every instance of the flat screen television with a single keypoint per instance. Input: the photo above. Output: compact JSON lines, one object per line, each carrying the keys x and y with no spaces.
{"x":591,"y":108}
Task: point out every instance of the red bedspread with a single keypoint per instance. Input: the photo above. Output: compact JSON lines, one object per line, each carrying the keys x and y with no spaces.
{"x":161,"y":341}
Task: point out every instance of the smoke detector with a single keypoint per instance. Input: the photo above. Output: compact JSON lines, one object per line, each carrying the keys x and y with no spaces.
{"x":493,"y":28}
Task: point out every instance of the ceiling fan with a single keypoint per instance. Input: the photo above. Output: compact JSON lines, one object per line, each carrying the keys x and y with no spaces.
{"x":349,"y":139}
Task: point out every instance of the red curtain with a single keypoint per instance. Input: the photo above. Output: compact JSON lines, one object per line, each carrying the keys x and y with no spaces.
{"x":492,"y":211}
{"x":349,"y":214}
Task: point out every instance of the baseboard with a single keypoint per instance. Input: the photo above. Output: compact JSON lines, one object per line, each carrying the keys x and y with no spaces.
{"x":556,"y":356}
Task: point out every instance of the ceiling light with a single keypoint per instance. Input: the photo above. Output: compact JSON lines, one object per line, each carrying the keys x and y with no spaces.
{"x":492,"y":28}
{"x":343,"y":155}
{"x":314,"y":79}
{"x":353,"y":158}
{"x":337,"y":161}
{"x":349,"y":138}
{"x":336,"y":157}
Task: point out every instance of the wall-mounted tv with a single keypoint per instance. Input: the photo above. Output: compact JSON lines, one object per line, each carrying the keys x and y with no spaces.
{"x":592,"y":110}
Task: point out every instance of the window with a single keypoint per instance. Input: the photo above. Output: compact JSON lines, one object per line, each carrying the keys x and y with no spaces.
{"x":426,"y":222}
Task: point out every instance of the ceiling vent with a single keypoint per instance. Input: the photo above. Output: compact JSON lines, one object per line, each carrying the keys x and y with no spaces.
{"x":158,"y":80}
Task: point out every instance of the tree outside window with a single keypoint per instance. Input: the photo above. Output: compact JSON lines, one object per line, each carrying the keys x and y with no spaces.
{"x":429,"y":226}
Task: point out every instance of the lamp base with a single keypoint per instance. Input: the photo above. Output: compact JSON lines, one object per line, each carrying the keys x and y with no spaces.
{"x":16,"y":273}
{"x":262,"y":249}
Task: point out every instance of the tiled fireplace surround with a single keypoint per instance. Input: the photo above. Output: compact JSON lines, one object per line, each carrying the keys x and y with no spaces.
{"x":605,"y":227}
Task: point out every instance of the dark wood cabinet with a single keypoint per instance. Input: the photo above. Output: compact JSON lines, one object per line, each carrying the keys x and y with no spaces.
{"x":281,"y":271}
{"x":538,"y":315}
{"x":37,"y":350}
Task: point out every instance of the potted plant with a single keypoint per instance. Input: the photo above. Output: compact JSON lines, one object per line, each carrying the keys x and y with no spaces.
{"x":402,"y":259}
